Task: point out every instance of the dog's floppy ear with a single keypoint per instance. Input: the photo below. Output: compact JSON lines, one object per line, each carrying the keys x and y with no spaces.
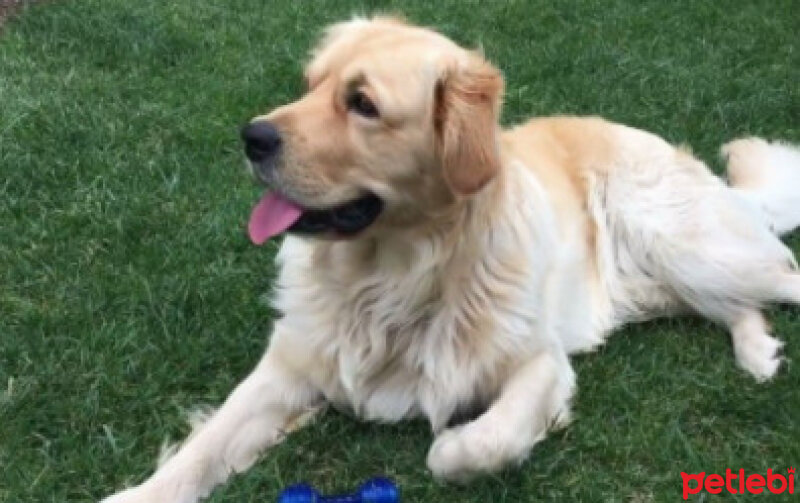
{"x":467,"y":113}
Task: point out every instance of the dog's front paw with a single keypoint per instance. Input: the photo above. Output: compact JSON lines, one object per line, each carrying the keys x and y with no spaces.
{"x":445,"y":458}
{"x":460,"y":454}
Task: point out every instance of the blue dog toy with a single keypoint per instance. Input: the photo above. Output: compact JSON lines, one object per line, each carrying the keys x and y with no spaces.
{"x":377,"y":490}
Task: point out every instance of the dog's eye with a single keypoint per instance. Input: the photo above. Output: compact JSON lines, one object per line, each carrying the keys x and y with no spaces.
{"x":360,"y":103}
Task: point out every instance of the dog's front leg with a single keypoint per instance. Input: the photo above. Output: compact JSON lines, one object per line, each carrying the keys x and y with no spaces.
{"x":535,"y":398}
{"x":271,"y":401}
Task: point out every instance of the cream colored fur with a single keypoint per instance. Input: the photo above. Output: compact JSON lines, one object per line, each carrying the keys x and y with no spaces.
{"x":474,"y":288}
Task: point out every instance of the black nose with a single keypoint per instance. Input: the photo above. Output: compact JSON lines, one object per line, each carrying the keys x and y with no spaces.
{"x":261,"y":140}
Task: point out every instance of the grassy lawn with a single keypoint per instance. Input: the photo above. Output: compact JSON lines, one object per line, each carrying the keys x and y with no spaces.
{"x":130,"y":293}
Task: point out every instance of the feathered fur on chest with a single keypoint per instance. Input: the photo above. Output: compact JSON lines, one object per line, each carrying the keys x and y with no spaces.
{"x":394,"y":329}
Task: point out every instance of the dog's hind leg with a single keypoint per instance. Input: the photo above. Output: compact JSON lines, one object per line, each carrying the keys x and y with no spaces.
{"x":720,"y":292}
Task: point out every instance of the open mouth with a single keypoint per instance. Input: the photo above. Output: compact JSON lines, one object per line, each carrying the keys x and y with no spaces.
{"x":275,"y":214}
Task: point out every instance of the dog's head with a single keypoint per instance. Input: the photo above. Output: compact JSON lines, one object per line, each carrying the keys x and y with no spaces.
{"x":397,"y":126}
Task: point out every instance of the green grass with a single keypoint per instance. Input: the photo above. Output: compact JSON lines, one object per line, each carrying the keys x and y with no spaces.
{"x":129,"y":292}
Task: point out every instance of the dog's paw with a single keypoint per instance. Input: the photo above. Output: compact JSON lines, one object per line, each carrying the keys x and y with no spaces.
{"x":447,"y":458}
{"x":460,"y":454}
{"x":760,"y":355}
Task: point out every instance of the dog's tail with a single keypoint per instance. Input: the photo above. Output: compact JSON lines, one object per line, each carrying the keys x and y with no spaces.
{"x":768,"y":175}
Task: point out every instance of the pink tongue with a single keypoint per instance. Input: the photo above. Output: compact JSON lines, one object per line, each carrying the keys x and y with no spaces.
{"x":271,"y":216}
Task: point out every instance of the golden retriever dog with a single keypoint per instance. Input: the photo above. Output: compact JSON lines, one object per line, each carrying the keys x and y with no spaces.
{"x":436,"y":264}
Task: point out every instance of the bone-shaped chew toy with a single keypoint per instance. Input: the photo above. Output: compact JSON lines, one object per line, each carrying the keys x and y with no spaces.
{"x":376,"y":490}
